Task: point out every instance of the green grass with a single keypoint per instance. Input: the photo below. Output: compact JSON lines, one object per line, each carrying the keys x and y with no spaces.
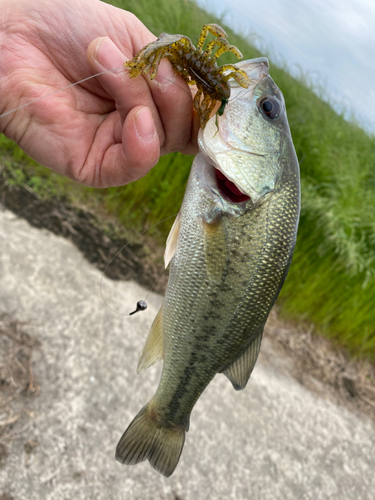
{"x":331,"y":281}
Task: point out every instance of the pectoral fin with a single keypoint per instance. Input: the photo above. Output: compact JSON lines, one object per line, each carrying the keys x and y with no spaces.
{"x":153,"y":348}
{"x":170,"y":248}
{"x":215,"y":248}
{"x":239,"y":372}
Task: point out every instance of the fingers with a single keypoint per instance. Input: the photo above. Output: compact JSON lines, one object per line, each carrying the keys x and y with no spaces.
{"x":131,"y":137}
{"x":121,"y":152}
{"x":128,"y":93}
{"x":173,"y":99}
{"x":168,"y":96}
{"x":141,"y":146}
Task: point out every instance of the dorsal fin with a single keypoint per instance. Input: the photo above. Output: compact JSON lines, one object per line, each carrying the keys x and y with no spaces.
{"x":239,"y":372}
{"x":171,"y":244}
{"x":153,"y":348}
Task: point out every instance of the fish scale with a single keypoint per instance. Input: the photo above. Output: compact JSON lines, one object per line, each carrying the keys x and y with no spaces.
{"x":228,"y":261}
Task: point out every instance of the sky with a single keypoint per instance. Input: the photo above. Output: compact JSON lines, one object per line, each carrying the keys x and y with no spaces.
{"x":333,"y":40}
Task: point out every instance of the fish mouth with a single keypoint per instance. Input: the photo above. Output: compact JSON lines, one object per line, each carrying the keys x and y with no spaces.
{"x":228,"y":189}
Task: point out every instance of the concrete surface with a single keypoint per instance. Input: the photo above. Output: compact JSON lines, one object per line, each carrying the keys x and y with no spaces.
{"x":274,"y":440}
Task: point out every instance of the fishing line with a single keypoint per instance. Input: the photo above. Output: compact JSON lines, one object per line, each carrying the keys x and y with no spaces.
{"x":242,"y":93}
{"x":142,"y":304}
{"x":58,"y":90}
{"x":6,"y":113}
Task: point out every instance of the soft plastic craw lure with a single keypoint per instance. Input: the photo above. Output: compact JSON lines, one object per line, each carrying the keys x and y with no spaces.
{"x":196,"y":66}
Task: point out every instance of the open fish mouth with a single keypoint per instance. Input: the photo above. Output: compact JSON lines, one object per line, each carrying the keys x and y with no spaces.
{"x":212,"y":180}
{"x":228,"y":189}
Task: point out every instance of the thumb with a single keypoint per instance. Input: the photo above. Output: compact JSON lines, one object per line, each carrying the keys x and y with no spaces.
{"x":136,"y":147}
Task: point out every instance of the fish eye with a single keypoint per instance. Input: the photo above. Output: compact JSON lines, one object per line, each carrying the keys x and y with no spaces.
{"x":270,"y":107}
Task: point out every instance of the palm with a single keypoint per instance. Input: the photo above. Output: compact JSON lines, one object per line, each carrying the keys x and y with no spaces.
{"x":68,"y":116}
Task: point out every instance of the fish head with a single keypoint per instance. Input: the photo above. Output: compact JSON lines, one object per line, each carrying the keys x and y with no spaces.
{"x":245,"y":145}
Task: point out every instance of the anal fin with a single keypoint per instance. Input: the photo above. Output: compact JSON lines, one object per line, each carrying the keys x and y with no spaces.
{"x":239,"y":372}
{"x":153,"y":348}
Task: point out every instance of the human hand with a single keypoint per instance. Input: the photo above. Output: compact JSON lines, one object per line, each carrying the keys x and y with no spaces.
{"x":106,"y":131}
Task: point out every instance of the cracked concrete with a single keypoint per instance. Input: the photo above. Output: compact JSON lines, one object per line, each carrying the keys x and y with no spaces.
{"x":274,"y":440}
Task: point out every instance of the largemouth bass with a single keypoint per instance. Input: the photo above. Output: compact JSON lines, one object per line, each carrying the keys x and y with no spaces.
{"x":229,"y":252}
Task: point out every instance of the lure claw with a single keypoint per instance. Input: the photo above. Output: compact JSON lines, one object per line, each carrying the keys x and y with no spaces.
{"x":141,"y":306}
{"x":196,"y":65}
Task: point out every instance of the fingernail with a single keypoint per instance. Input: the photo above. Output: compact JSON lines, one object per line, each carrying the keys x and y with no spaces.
{"x":144,"y":124}
{"x":108,"y":55}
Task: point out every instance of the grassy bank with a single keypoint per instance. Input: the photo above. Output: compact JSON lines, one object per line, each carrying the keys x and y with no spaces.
{"x":331,"y":281}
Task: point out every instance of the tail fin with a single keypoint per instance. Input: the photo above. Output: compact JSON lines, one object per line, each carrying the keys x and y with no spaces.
{"x":146,"y":438}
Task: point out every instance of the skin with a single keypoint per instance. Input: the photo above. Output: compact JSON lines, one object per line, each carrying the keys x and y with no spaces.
{"x":107,"y":131}
{"x":228,"y":263}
